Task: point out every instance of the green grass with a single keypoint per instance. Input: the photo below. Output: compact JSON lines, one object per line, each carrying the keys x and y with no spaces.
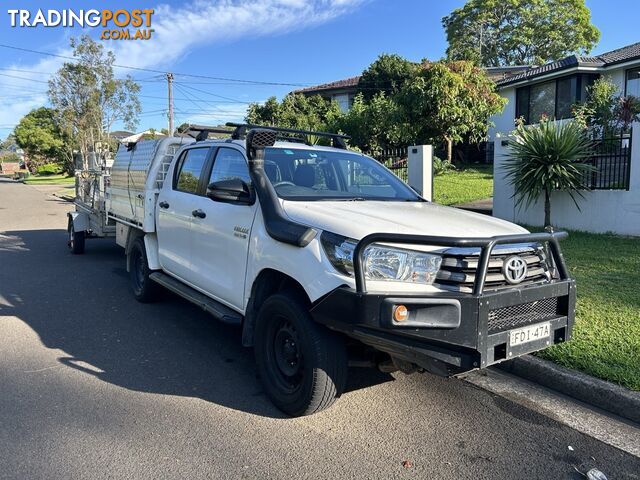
{"x":50,"y":180}
{"x":464,"y":185}
{"x":606,"y":337}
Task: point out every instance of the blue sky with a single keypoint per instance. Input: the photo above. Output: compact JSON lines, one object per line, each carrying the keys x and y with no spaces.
{"x":299,"y":42}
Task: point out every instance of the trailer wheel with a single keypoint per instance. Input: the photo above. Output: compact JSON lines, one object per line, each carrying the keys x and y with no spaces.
{"x":144,"y":289}
{"x":76,"y":240}
{"x":302,"y":365}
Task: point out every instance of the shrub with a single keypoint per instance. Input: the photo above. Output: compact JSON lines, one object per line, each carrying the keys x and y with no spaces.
{"x":548,"y":157}
{"x":441,"y":166}
{"x":50,"y":169}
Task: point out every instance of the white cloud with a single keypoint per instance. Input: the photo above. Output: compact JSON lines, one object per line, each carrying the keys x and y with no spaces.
{"x":177,"y":31}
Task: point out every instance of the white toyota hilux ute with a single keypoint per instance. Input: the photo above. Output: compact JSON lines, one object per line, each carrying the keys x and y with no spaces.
{"x":325,"y":258}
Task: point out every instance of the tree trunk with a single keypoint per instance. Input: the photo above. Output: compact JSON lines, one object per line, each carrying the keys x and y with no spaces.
{"x":547,"y":209}
{"x":449,"y":149}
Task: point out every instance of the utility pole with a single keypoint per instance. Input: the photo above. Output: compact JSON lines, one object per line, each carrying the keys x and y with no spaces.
{"x":170,"y":86}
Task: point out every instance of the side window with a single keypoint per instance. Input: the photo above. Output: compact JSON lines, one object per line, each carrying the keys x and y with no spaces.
{"x":229,"y":163}
{"x":190,"y":169}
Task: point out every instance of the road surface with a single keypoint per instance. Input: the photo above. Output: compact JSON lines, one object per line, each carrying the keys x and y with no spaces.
{"x":95,"y":385}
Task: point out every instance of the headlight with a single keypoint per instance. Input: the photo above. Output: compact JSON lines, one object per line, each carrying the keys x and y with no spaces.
{"x":382,"y":263}
{"x":339,"y":250}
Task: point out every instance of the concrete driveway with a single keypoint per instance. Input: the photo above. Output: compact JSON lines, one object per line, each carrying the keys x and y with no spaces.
{"x":95,"y":385}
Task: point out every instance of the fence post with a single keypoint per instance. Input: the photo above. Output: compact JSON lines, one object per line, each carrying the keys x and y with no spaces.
{"x":420,"y":169}
{"x":633,"y":169}
{"x":503,"y":201}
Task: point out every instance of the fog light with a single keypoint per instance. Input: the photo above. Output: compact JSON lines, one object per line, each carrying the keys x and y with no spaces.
{"x":400,"y":313}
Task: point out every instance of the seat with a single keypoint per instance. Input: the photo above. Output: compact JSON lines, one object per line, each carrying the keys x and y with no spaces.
{"x":273,"y":171}
{"x":305,"y":176}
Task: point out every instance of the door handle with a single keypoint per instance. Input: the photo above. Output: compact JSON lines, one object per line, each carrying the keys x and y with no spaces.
{"x":163,"y":205}
{"x":198,"y":213}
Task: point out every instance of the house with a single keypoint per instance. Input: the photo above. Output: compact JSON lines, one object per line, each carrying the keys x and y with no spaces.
{"x":611,"y":199}
{"x":344,"y":91}
{"x":552,"y":89}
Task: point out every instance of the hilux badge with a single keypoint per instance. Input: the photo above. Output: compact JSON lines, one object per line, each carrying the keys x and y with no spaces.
{"x":514,"y":269}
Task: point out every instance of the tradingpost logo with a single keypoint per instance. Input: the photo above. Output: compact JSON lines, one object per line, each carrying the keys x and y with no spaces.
{"x":115,"y":24}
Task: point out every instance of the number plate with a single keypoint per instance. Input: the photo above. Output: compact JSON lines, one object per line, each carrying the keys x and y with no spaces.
{"x":528,"y":334}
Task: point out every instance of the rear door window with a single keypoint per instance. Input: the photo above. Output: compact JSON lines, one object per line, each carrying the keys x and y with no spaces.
{"x":190,"y":168}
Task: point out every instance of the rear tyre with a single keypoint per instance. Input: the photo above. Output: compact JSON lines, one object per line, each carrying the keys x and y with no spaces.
{"x":76,"y":240}
{"x":302,"y":365}
{"x":144,"y":289}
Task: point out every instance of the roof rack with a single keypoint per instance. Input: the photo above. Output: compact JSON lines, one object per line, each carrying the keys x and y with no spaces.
{"x":241,"y":129}
{"x":201,"y":132}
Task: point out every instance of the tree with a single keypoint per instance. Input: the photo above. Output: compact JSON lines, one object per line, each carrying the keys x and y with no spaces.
{"x":39,"y":135}
{"x":387,"y":74}
{"x":89,"y":99}
{"x":606,"y":113}
{"x":372,"y":125}
{"x":295,"y":111}
{"x":519,"y":32}
{"x":8,"y":142}
{"x":449,"y":102}
{"x":548,"y":157}
{"x":182,"y":128}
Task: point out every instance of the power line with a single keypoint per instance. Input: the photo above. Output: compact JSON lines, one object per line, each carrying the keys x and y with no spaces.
{"x":253,"y":82}
{"x":23,"y":78}
{"x":201,"y":101}
{"x":212,"y":94}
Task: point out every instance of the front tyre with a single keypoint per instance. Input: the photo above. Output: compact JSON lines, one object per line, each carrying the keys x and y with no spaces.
{"x":302,"y":365}
{"x":144,"y":289}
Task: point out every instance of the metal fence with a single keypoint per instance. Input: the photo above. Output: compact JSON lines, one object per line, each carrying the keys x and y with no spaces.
{"x":611,"y":160}
{"x":395,"y":159}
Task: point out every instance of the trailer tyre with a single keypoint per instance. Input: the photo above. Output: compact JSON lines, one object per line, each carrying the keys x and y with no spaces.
{"x":302,"y":365}
{"x":144,"y":289}
{"x":76,"y":240}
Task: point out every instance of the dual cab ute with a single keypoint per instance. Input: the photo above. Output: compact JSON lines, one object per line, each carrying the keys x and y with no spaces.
{"x":324,"y":257}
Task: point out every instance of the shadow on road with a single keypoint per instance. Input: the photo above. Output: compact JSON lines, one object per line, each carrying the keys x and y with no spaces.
{"x":82,"y":305}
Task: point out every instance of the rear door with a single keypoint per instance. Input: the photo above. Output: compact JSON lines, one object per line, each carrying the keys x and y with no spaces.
{"x":221,"y":236}
{"x":176,"y":203}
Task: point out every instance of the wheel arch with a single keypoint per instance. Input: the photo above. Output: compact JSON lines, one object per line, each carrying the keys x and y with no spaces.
{"x":79,"y":220}
{"x":268,"y":282}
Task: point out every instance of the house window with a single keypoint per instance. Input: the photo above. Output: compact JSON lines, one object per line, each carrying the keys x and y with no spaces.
{"x":632,"y":87}
{"x":553,"y":99}
{"x":566,"y":96}
{"x":343,"y":101}
{"x":542,"y":101}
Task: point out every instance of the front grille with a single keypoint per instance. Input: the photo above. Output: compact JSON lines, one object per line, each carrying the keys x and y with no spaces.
{"x":459,"y":266}
{"x":514,"y":316}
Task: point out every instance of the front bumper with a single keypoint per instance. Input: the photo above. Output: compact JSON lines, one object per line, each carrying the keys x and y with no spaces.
{"x":447,"y":344}
{"x":451,"y":333}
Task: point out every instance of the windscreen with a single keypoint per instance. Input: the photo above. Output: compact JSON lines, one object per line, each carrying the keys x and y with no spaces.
{"x":298,"y":174}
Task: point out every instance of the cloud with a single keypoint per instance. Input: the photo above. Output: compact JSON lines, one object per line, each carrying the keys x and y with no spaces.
{"x":177,"y":31}
{"x":23,"y":88}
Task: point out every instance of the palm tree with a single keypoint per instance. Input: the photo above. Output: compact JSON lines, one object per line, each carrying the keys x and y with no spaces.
{"x":546,"y":157}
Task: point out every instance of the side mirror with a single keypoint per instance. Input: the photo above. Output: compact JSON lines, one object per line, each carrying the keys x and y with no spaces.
{"x":233,"y":190}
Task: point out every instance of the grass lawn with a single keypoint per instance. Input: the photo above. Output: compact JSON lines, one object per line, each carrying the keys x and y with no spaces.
{"x":606,"y":337}
{"x":468,"y":183}
{"x":50,"y":180}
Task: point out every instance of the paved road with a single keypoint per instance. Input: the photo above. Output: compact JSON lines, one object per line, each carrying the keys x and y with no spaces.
{"x":95,"y":385}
